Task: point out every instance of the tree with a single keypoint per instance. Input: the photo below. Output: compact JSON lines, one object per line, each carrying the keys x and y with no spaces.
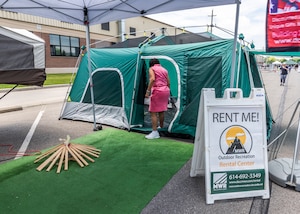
{"x":270,"y":60}
{"x":282,"y":60}
{"x":297,"y":60}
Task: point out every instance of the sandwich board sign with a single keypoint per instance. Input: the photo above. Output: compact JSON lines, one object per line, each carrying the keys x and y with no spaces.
{"x":230,"y":146}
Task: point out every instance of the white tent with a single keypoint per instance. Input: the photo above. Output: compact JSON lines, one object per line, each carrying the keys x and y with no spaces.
{"x":88,"y":12}
{"x":276,"y":63}
{"x":101,"y":11}
{"x":23,"y":57}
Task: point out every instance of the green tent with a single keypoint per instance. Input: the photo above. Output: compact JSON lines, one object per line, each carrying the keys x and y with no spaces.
{"x":120,"y":81}
{"x":291,"y":62}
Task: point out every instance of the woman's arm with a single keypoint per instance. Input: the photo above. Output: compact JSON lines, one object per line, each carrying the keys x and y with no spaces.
{"x":151,"y":82}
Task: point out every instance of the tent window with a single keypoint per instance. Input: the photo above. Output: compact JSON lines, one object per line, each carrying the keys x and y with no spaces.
{"x":204,"y":72}
{"x":64,"y":45}
{"x":104,"y":93}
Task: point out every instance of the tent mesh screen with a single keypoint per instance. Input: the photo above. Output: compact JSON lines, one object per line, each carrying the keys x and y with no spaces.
{"x":105,"y":94}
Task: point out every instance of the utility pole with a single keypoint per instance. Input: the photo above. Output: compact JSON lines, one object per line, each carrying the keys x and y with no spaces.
{"x":211,"y":20}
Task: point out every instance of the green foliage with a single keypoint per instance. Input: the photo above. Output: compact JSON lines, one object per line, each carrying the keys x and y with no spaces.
{"x":271,"y":59}
{"x":282,"y":61}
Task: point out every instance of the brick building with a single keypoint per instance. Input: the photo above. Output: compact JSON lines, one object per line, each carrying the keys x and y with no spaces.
{"x":63,"y":40}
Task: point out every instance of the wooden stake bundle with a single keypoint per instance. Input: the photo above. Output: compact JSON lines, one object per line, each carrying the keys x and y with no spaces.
{"x":61,"y":154}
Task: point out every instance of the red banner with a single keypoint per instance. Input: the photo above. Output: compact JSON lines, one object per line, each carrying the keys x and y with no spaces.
{"x":283,"y":26}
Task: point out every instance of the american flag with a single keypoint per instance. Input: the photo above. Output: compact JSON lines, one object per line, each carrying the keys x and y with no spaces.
{"x":273,"y":5}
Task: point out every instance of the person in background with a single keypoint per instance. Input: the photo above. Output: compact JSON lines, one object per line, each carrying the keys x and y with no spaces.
{"x":283,"y":74}
{"x":159,"y":92}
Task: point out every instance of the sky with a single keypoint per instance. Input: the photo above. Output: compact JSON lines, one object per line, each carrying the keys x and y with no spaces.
{"x":252,"y":20}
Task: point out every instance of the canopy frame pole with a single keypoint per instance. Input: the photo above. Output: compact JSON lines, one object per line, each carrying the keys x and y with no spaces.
{"x":249,"y":68}
{"x":239,"y":66}
{"x":233,"y":62}
{"x":86,"y":23}
{"x":134,"y":87}
{"x":70,"y":84}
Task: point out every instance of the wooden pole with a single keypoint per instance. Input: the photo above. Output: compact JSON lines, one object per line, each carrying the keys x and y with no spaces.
{"x":62,"y":153}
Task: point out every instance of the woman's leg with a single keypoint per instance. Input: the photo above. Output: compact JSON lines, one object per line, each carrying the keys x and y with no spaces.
{"x":154,"y":121}
{"x":161,"y":119}
{"x":154,"y":134}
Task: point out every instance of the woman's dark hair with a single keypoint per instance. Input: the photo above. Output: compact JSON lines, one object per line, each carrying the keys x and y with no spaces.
{"x":153,"y":61}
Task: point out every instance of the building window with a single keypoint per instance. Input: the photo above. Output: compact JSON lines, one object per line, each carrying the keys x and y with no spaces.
{"x":105,"y":26}
{"x":132,"y":31}
{"x":64,"y":45}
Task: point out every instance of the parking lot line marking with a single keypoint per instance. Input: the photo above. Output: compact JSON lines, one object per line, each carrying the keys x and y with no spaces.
{"x":29,"y":135}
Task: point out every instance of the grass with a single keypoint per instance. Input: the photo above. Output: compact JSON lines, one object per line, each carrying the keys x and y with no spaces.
{"x":52,"y":79}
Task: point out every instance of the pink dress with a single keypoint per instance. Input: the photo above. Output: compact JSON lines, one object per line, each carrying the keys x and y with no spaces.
{"x":160,"y":91}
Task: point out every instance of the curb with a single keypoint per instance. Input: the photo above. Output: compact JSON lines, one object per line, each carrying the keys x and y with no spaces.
{"x":26,"y":88}
{"x":10,"y":109}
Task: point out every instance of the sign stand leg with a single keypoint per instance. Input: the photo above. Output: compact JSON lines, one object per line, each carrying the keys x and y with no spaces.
{"x":286,"y":171}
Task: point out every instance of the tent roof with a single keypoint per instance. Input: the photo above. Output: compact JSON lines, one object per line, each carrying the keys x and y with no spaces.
{"x":290,"y":62}
{"x":289,"y":54}
{"x":24,"y":33}
{"x":210,"y":35}
{"x":183,"y":38}
{"x":276,"y":63}
{"x":101,"y":11}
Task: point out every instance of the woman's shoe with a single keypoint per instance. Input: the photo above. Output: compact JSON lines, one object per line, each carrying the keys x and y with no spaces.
{"x":153,"y":135}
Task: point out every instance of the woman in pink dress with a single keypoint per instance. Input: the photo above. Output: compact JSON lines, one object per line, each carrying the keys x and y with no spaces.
{"x":159,"y":92}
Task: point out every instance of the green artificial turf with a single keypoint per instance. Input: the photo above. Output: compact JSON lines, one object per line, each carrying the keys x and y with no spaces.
{"x":130,"y":171}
